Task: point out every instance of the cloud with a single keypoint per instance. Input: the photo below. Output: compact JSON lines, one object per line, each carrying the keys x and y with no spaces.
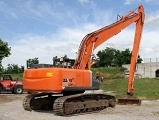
{"x":148,"y":1}
{"x":128,"y":2}
{"x":149,"y":44}
{"x":152,"y":2}
{"x":84,"y":1}
{"x":152,"y":19}
{"x":40,"y":9}
{"x":65,"y":41}
{"x":91,"y":3}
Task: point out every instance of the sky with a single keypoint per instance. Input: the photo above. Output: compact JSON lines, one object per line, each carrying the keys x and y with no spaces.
{"x":48,"y":28}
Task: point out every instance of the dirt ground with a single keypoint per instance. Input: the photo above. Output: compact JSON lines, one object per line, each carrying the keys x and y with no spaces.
{"x":11,"y":109}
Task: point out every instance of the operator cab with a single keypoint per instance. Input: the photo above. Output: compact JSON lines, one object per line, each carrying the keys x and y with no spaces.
{"x":63,"y":62}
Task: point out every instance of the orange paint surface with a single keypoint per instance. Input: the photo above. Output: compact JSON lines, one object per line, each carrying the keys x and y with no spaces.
{"x":51,"y":79}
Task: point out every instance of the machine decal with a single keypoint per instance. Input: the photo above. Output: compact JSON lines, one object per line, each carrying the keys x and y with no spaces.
{"x":67,"y":82}
{"x":49,"y":74}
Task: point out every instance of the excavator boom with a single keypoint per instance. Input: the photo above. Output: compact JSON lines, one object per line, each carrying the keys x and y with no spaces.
{"x":92,"y":40}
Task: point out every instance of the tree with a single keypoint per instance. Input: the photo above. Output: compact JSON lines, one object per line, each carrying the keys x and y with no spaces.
{"x":30,"y":62}
{"x":113,"y":57}
{"x":9,"y":69}
{"x":125,"y":57}
{"x":21,"y":69}
{"x":4,"y":52}
{"x":107,"y":57}
{"x":14,"y":68}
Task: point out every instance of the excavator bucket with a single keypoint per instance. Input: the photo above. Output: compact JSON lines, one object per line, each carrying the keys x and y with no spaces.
{"x":129,"y":101}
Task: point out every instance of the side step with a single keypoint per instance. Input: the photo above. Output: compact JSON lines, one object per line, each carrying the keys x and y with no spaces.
{"x":129,"y":100}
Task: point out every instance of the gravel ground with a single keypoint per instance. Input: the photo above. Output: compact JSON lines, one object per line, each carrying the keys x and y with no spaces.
{"x":11,"y":109}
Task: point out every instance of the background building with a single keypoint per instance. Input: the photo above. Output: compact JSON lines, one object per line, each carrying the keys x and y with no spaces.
{"x":148,"y":69}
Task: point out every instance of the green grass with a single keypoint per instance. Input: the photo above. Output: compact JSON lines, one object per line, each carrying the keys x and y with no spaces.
{"x":144,"y":88}
{"x":18,"y":76}
{"x":109,"y":72}
{"x":148,"y":88}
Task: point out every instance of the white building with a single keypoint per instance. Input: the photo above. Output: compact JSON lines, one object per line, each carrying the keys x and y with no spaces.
{"x":145,"y":70}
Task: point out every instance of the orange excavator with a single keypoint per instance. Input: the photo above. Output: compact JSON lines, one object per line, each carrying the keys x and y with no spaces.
{"x":62,"y":89}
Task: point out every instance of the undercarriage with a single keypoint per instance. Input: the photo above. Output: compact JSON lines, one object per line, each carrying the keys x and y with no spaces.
{"x":68,"y":105}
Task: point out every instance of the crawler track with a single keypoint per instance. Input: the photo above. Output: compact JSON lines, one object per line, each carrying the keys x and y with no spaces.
{"x":26,"y":102}
{"x":68,"y":105}
{"x":82,"y":103}
{"x":40,"y":101}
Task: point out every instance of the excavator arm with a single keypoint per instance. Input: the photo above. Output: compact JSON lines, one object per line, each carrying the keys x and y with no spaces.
{"x":134,"y":57}
{"x":91,"y":41}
